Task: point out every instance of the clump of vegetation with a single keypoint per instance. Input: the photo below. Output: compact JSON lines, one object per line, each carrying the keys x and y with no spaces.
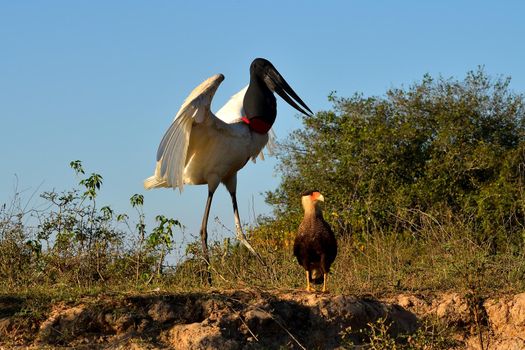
{"x":76,"y":242}
{"x":424,"y":187}
{"x":442,"y":147}
{"x":378,"y":336}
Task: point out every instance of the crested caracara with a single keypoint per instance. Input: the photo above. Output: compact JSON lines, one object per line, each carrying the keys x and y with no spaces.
{"x":315,"y":246}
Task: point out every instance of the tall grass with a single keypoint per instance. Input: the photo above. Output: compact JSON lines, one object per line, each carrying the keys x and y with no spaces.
{"x":440,"y":256}
{"x":78,"y":246}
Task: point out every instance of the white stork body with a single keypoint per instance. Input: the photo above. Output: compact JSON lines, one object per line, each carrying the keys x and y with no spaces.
{"x":203,"y":148}
{"x":210,"y":155}
{"x":206,"y":148}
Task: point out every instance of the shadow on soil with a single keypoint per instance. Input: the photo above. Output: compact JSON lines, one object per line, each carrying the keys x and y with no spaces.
{"x":241,"y":319}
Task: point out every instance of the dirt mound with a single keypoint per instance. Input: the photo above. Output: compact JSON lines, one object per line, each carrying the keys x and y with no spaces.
{"x":495,"y":323}
{"x":251,"y":319}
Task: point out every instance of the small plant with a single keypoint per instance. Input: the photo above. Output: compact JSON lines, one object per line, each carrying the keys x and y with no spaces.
{"x":376,"y":336}
{"x":80,"y":238}
{"x":431,"y":335}
{"x":150,"y":249}
{"x":379,"y":337}
{"x":160,"y":239}
{"x":76,"y":241}
{"x":17,"y":252}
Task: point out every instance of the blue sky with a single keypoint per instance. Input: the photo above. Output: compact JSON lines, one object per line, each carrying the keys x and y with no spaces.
{"x":100,"y":81}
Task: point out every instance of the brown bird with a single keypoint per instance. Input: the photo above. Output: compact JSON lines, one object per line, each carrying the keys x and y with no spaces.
{"x":315,"y":245}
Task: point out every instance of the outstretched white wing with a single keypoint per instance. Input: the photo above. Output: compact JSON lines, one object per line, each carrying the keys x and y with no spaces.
{"x":171,"y":154}
{"x":233,"y":111}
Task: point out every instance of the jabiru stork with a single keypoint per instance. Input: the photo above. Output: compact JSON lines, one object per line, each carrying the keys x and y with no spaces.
{"x":204,"y":148}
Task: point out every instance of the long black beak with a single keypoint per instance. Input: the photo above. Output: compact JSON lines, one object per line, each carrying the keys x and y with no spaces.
{"x":276,"y":82}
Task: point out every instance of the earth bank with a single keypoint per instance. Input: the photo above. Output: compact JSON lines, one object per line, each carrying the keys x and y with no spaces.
{"x":254,"y":319}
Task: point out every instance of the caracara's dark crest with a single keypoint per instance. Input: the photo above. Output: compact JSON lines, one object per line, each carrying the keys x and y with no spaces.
{"x":308,"y":193}
{"x":315,"y":246}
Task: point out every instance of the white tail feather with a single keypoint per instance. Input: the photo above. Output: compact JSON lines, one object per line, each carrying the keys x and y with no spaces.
{"x":316,"y":274}
{"x":154,"y":182}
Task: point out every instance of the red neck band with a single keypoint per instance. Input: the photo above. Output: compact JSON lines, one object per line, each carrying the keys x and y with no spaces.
{"x":257,"y":124}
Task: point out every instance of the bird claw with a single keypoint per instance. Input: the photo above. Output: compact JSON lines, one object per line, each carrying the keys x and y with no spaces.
{"x":247,"y":244}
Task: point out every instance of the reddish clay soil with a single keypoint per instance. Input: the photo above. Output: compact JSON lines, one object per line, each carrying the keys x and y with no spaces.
{"x":253,"y":319}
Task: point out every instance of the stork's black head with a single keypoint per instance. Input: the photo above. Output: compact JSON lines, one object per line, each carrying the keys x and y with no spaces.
{"x":259,"y":102}
{"x":259,"y":67}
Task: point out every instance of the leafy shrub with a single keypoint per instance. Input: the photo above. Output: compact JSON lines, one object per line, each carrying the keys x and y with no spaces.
{"x":442,"y":146}
{"x":77,"y":242}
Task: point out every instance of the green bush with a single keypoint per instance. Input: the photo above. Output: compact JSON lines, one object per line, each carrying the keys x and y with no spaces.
{"x":77,"y":242}
{"x":441,"y":146}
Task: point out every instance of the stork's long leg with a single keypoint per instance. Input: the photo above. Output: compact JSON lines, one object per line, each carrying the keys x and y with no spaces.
{"x":240,"y":234}
{"x":204,"y":234}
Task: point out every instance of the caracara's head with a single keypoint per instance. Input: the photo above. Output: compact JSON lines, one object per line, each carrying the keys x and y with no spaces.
{"x":311,"y":201}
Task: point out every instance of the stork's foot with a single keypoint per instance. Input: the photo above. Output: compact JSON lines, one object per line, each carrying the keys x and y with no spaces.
{"x":205,"y":273}
{"x":247,"y":244}
{"x":232,"y":182}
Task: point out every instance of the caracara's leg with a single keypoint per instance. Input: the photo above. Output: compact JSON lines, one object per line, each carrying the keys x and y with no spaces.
{"x":324,"y":269}
{"x":308,"y":287}
{"x":204,"y":235}
{"x":325,"y":279}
